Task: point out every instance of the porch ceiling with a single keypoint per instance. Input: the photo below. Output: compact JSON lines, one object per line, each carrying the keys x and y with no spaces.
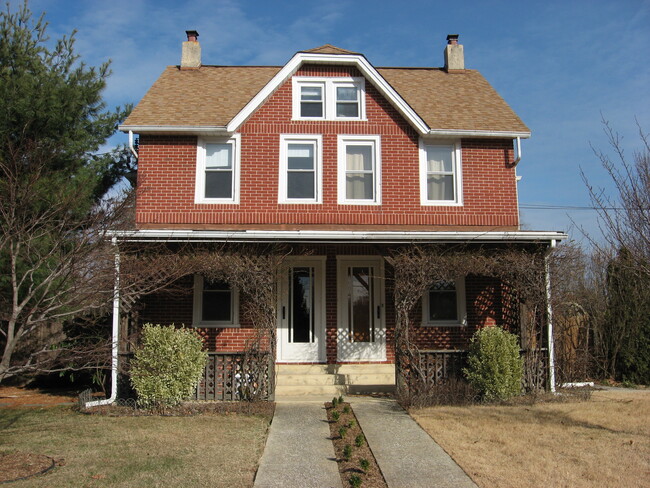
{"x":151,"y":235}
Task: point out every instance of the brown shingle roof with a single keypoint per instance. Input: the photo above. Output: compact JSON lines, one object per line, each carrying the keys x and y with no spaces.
{"x":328,"y":49}
{"x":460,"y":100}
{"x":213,"y":95}
{"x":210,"y":95}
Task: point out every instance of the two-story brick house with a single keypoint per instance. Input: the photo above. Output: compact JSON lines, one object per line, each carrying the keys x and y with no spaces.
{"x":340,"y":161}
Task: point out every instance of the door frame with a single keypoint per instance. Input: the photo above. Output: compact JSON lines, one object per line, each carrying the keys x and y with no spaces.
{"x":286,"y":353}
{"x":376,"y":351}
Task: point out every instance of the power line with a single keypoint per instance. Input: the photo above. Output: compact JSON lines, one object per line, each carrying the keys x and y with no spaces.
{"x":548,"y":206}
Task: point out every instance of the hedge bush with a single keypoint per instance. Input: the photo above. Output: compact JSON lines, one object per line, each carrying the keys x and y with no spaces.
{"x":167,"y":366}
{"x":495,"y":367}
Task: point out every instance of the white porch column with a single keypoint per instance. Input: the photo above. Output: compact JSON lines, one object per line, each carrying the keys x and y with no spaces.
{"x":549,"y":321}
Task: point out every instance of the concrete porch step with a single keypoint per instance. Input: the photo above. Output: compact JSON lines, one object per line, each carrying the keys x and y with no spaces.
{"x":336,"y":379}
{"x":309,"y":390}
{"x":328,"y":380}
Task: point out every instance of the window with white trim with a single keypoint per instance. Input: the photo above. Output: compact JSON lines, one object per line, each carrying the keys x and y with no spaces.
{"x":440,"y":174}
{"x":359,"y":170}
{"x":300,"y":169}
{"x":217,"y":170}
{"x":328,"y":98}
{"x":216,"y":304}
{"x":444,"y":304}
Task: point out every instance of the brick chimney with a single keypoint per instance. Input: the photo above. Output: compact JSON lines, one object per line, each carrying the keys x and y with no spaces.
{"x":454,"y":57}
{"x":191,"y":53}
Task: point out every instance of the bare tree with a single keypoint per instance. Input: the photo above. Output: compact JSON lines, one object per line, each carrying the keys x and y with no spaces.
{"x":624,"y":218}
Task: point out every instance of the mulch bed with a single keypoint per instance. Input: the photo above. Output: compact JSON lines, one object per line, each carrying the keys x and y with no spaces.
{"x":187,"y":409}
{"x":353,"y":472}
{"x":21,"y":465}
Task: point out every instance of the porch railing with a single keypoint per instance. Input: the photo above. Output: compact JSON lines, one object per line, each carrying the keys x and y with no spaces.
{"x":230,"y":377}
{"x":226,"y":377}
{"x":438,"y":367}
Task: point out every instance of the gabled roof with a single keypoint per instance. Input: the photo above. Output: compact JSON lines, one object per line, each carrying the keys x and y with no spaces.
{"x":214,"y":99}
{"x":328,"y":49}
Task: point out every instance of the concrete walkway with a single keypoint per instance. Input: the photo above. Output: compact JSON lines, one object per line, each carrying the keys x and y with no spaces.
{"x":407,"y":455}
{"x":299,"y":451}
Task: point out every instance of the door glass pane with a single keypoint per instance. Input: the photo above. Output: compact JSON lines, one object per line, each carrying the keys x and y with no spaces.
{"x":301,"y":320}
{"x":360,"y":305}
{"x":300,"y":184}
{"x":218,"y":184}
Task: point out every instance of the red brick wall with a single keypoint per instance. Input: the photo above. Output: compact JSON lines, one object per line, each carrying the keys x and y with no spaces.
{"x":166,"y":174}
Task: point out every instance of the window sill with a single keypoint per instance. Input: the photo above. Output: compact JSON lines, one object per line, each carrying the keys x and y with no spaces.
{"x":444,"y":324}
{"x":213,"y":325}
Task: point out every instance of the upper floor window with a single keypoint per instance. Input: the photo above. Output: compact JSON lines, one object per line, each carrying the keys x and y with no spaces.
{"x":328,"y":98}
{"x":300,"y":169}
{"x":216,"y":303}
{"x":359,"y":168}
{"x":217,"y":170}
{"x":440,"y":174}
{"x":444,"y":303}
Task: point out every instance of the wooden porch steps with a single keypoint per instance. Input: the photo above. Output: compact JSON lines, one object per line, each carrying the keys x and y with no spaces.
{"x":329,"y":380}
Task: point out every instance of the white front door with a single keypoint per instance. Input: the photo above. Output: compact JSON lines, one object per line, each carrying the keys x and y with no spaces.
{"x":361,"y":332}
{"x":301,"y":310}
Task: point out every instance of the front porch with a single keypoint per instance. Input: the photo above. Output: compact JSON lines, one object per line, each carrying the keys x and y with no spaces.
{"x":325,"y":315}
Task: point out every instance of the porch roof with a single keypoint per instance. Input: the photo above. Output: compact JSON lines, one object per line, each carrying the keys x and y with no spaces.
{"x":324,"y":236}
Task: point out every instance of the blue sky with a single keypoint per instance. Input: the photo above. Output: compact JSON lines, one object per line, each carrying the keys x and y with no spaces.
{"x":559,"y":64}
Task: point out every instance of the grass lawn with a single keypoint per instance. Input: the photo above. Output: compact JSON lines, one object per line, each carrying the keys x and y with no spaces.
{"x":203,"y":450}
{"x":604,"y":441}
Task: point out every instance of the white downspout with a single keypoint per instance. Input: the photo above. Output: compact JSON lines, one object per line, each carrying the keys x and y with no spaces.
{"x":549,"y":316}
{"x":133,"y":149}
{"x":116,"y":332}
{"x":517,"y":153}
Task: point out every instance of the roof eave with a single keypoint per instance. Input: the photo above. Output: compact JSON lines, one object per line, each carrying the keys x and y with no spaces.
{"x":478,"y":133}
{"x":387,"y":237}
{"x":203,"y":130}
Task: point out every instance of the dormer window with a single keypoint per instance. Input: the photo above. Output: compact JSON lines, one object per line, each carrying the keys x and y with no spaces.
{"x":312,"y":100}
{"x":328,"y":98}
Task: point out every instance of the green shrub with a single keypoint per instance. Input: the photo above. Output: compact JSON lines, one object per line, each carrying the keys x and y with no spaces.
{"x":364,"y":464}
{"x":358,"y":440}
{"x":347,"y":452}
{"x":167,"y":366}
{"x":355,"y":481}
{"x":336,"y":415}
{"x":494,"y":367}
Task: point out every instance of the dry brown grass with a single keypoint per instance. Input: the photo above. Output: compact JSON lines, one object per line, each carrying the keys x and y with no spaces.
{"x":97,"y":451}
{"x":604,"y":441}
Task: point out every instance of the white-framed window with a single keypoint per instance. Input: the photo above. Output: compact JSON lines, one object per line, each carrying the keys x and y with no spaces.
{"x":217,"y":170}
{"x":359,"y":170}
{"x":440,"y":173}
{"x":444,"y":304}
{"x":301,"y":168}
{"x":328,"y":98}
{"x":216,"y":304}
